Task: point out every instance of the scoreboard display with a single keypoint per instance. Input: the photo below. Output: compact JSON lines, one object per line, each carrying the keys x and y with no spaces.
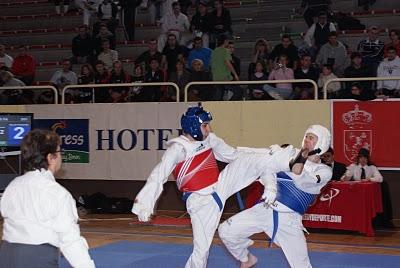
{"x":13,"y":128}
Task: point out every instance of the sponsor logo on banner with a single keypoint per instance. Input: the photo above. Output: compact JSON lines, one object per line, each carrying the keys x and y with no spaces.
{"x":135,"y":139}
{"x":358,"y":133}
{"x":328,"y":196}
{"x":74,"y":134}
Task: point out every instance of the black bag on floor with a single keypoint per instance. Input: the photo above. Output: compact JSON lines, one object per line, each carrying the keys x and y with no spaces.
{"x":100,"y":203}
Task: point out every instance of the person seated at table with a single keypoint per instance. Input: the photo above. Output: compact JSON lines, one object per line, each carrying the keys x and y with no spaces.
{"x":338,"y":169}
{"x":363,"y":169}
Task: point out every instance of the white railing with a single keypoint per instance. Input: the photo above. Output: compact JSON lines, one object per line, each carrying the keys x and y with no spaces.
{"x":55,"y":91}
{"x":355,"y":79}
{"x":93,"y":86}
{"x":252,"y":83}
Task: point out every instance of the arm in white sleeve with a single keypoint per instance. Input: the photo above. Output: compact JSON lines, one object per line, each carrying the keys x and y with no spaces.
{"x":149,"y":194}
{"x":349,"y":173}
{"x":222,"y":151}
{"x":282,"y":158}
{"x":72,"y":245}
{"x":310,"y":35}
{"x":377,"y":176}
{"x":270,"y":187}
{"x":312,"y":180}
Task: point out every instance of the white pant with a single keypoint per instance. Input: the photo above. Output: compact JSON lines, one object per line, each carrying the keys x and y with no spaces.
{"x":204,"y":211}
{"x":235,"y":233}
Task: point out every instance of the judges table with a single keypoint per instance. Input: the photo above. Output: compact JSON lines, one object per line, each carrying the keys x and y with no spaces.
{"x":346,"y":206}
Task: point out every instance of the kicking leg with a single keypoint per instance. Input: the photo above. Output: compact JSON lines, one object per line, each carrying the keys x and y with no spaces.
{"x":235,"y":232}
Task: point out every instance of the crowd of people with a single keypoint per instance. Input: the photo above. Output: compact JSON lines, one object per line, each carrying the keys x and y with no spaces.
{"x":202,"y":48}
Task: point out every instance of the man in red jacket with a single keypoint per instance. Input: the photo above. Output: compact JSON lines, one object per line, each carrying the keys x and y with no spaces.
{"x":24,"y":66}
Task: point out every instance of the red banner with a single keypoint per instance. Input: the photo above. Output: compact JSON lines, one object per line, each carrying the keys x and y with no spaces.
{"x":373,"y":125}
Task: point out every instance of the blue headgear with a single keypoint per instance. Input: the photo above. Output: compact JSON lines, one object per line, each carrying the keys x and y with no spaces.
{"x":191,"y":121}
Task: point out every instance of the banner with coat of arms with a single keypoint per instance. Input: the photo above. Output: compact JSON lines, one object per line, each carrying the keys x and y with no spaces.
{"x":371,"y":125}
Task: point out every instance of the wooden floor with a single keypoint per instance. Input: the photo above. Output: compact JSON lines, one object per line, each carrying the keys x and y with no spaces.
{"x":104,"y":229}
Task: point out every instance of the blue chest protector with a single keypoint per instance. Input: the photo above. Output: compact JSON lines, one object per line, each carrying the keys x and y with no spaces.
{"x":292,"y":197}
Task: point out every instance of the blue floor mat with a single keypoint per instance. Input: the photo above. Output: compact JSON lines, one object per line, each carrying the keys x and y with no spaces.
{"x":126,"y":254}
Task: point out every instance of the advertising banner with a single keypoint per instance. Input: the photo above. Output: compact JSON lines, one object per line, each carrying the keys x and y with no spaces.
{"x":371,"y":125}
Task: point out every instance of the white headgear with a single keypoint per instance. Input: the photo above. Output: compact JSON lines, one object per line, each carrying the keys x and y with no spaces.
{"x":324,"y":137}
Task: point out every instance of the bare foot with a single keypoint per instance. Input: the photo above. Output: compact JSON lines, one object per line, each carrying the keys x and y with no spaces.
{"x":252,"y":260}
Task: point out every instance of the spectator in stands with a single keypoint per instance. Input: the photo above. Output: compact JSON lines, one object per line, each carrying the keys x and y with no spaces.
{"x":119,"y":76}
{"x":333,"y":88}
{"x":363,"y":169}
{"x":101,"y":76}
{"x":107,"y":55}
{"x":129,"y":17}
{"x":256,"y":91}
{"x":172,"y":52}
{"x":8,"y":80}
{"x":357,"y":92}
{"x":175,"y":23}
{"x":89,"y":8}
{"x":358,"y":69}
{"x":338,"y":169}
{"x":86,"y":77}
{"x":221,"y":22}
{"x":199,"y":73}
{"x":371,"y":49}
{"x":312,"y":8}
{"x":104,"y":33}
{"x":57,"y":4}
{"x":200,"y":24}
{"x":144,"y":58}
{"x":305,"y":70}
{"x":235,"y":60}
{"x":234,"y":92}
{"x":24,"y":66}
{"x":180,"y":77}
{"x":394,"y":36}
{"x":333,"y":53}
{"x":82,"y":47}
{"x":64,"y":77}
{"x":153,"y":93}
{"x":366,"y":4}
{"x":281,"y":91}
{"x":260,"y":54}
{"x":387,"y":68}
{"x":135,"y":93}
{"x":286,"y":47}
{"x":200,"y":52}
{"x":6,"y":60}
{"x":107,"y":13}
{"x":221,"y":66}
{"x":318,"y":34}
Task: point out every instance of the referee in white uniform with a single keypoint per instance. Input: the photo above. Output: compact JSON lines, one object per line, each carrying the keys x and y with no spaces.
{"x":40,"y":217}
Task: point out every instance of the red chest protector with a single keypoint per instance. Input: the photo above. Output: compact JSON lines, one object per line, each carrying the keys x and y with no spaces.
{"x":196,"y":172}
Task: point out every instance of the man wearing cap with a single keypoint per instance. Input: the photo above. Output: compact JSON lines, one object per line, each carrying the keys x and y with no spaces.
{"x":279,"y":213}
{"x":363,"y":169}
{"x":191,"y":158}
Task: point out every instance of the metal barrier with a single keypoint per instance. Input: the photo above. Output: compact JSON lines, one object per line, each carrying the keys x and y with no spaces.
{"x":36,"y":87}
{"x":69,"y":87}
{"x":355,"y":79}
{"x":253,"y":83}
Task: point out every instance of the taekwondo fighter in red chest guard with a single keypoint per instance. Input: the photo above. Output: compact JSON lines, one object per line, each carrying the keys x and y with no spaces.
{"x":191,"y":158}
